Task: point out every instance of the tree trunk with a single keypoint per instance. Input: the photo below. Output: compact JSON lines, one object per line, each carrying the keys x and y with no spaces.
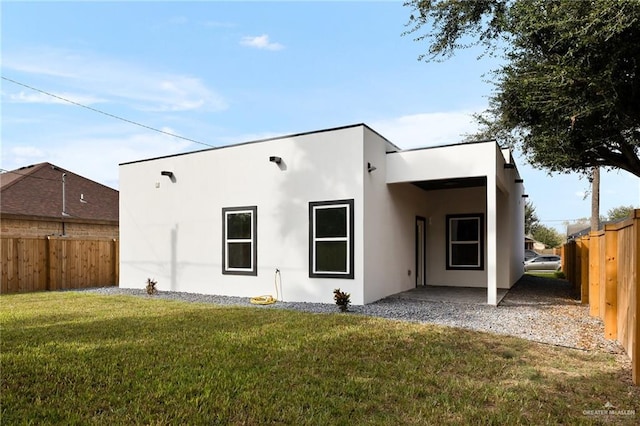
{"x":595,"y":200}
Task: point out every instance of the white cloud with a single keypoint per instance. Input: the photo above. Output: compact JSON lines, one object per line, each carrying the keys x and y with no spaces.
{"x":104,"y":78}
{"x":427,"y":129}
{"x":94,"y":151}
{"x":260,"y":42}
{"x":23,"y":155}
{"x":41,"y":98}
{"x":28,"y":151}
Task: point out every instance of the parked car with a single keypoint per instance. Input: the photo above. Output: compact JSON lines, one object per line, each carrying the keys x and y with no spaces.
{"x":543,"y":262}
{"x":530,"y":254}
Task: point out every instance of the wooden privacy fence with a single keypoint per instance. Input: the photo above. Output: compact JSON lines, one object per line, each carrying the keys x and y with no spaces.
{"x":56,"y":263}
{"x":605,"y":267}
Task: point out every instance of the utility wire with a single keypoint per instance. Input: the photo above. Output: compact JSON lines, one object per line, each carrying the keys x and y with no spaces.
{"x":105,"y":113}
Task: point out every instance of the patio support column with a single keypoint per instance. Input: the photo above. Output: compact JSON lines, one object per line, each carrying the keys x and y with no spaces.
{"x":492,"y":240}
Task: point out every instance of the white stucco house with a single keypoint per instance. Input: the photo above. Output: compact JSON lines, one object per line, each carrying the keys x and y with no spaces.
{"x":337,"y":208}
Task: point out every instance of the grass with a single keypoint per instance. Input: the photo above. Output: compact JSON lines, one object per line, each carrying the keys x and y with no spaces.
{"x":77,"y":358}
{"x":548,"y":274}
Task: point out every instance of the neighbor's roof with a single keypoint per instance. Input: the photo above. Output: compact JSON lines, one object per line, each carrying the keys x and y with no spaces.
{"x":36,"y":190}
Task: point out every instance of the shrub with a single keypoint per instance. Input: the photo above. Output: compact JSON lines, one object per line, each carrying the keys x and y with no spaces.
{"x":342,"y":299}
{"x":151,"y":286}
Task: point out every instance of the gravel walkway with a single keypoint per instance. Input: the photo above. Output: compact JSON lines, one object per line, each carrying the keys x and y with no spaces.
{"x":536,"y":309}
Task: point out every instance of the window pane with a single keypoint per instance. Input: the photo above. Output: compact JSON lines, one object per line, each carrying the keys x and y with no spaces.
{"x":464,"y":229}
{"x":331,"y":256}
{"x":239,"y":255}
{"x":331,"y":222}
{"x":464,"y":255}
{"x":239,"y":225}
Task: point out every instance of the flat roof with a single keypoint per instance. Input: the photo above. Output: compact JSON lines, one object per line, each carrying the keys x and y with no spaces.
{"x":391,"y":147}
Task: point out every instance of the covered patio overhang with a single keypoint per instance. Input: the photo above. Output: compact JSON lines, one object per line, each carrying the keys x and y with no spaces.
{"x":481,"y":165}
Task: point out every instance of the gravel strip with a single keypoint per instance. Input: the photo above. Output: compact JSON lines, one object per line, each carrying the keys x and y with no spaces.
{"x":536,"y":309}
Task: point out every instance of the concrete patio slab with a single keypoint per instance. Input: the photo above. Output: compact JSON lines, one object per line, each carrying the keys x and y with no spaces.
{"x":466,"y":295}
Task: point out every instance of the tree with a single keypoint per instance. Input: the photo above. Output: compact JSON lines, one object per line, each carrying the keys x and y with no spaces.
{"x":549,"y":236}
{"x":568,"y":93}
{"x":619,"y":212}
{"x":530,"y":218}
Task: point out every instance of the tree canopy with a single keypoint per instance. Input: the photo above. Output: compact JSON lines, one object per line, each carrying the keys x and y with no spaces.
{"x":547,"y":235}
{"x":568,"y":93}
{"x":539,"y":232}
{"x":619,"y":212}
{"x":530,"y":218}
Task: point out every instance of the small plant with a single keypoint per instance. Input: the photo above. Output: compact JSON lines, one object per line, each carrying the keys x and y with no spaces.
{"x":151,"y":286}
{"x":342,"y":299}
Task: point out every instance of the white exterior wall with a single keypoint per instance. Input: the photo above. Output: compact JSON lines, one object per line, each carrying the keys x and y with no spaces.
{"x":173,"y":233}
{"x":389,"y":226}
{"x":515,"y":208}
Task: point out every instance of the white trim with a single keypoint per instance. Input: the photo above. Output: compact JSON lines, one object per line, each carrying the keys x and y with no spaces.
{"x":476,"y":243}
{"x":228,"y":241}
{"x":345,"y":239}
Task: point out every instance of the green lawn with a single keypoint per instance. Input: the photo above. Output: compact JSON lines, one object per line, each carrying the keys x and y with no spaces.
{"x":78,"y":358}
{"x":547,"y":274}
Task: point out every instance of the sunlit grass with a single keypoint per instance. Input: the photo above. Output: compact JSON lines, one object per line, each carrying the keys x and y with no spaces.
{"x":547,"y":274}
{"x":77,"y":358}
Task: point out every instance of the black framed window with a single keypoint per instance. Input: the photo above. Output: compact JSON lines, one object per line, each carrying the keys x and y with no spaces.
{"x":465,"y":241}
{"x":239,"y":240}
{"x":331,"y":239}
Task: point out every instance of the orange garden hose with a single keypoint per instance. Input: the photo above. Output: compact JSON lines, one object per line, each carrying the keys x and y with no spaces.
{"x":268,"y":299}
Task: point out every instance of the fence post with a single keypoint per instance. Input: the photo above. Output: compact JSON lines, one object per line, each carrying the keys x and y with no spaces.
{"x":569,"y":261}
{"x":47,"y":263}
{"x":584,"y":271}
{"x":576,"y":266}
{"x":594,"y":268}
{"x":52,"y":264}
{"x":115,"y":255}
{"x":635,"y":359}
{"x":611,"y":284}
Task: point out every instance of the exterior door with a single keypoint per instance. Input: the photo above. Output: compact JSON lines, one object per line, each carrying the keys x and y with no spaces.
{"x":420,"y":251}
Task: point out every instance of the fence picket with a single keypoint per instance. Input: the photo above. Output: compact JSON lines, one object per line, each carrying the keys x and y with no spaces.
{"x":605,"y":267}
{"x":55,"y":263}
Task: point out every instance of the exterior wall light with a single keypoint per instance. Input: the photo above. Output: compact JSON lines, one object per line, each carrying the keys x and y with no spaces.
{"x":370,"y":167}
{"x":275,"y":159}
{"x":167,"y":173}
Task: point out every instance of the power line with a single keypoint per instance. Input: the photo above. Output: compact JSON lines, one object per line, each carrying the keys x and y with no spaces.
{"x":105,"y":113}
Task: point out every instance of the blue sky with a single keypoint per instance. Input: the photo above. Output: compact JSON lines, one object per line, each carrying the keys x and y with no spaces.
{"x":226,"y":72}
